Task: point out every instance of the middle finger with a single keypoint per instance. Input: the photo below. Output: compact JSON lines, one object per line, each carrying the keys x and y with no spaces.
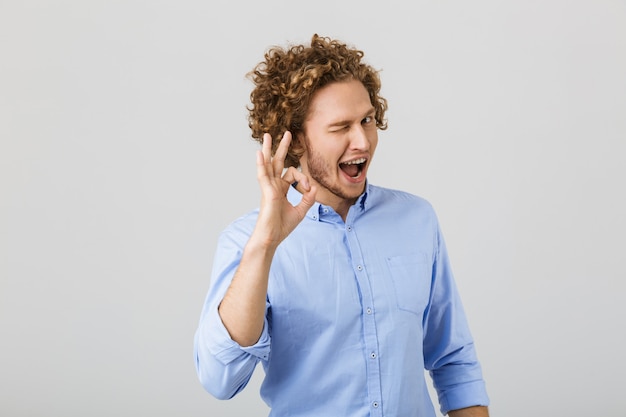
{"x":278,"y":161}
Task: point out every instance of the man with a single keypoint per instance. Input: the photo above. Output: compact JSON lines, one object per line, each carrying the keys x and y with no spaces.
{"x":341,"y":289}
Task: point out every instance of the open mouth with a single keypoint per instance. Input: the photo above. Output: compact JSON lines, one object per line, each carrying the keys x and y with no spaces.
{"x":353,"y":168}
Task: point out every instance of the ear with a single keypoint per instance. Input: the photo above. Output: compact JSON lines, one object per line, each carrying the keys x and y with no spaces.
{"x":297,"y":144}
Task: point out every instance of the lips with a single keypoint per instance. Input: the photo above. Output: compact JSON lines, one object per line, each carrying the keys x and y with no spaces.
{"x":353,"y":168}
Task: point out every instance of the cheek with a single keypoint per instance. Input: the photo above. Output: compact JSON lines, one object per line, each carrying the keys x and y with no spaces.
{"x":331,"y":151}
{"x":373,"y":143}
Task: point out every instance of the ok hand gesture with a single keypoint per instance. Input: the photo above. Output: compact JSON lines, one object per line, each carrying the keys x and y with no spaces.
{"x":277,"y":216}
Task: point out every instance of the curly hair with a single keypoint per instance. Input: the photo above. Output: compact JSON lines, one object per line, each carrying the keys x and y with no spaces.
{"x":286,"y":80}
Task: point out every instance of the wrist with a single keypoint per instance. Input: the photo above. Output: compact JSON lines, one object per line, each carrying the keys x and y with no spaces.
{"x":261,"y":246}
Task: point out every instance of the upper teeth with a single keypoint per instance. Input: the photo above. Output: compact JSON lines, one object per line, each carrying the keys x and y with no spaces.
{"x":356,"y":161}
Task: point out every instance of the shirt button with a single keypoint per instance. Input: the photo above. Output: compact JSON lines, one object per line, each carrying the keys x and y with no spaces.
{"x":373,"y":355}
{"x":315,"y":217}
{"x":359,"y":267}
{"x":375,"y":404}
{"x":369,"y":311}
{"x":325,"y":210}
{"x":349,"y":228}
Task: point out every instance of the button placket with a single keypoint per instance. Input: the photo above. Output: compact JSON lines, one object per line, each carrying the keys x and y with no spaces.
{"x":369,"y":319}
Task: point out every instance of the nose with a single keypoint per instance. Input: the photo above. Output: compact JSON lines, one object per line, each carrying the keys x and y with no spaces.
{"x":359,"y":139}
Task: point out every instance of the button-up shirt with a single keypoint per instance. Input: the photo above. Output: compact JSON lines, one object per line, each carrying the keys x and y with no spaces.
{"x":355,"y":312}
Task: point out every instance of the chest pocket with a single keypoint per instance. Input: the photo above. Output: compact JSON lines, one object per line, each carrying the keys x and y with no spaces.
{"x":411,"y":277}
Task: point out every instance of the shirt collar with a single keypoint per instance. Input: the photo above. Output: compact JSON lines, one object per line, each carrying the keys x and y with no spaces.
{"x":319,"y":210}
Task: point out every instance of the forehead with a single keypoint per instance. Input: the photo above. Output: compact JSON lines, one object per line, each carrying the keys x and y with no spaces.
{"x":343,"y":100}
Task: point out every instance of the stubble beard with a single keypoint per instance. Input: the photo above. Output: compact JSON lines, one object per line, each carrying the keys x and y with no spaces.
{"x":319,"y":170}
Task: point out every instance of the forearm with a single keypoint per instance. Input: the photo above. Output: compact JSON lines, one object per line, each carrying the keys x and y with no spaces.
{"x":478,"y":411}
{"x":242,"y":309}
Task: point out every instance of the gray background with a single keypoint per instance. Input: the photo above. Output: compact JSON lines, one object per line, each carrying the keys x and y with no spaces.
{"x":125,"y":150}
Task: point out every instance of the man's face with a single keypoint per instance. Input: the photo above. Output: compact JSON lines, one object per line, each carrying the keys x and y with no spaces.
{"x":340,"y":136}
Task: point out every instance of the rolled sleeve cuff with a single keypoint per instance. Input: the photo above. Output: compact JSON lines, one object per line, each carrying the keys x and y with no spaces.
{"x":226,"y":350}
{"x":464,"y":395}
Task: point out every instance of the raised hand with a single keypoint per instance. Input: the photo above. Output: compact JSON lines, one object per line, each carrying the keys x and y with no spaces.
{"x":243,"y":307}
{"x":277,"y":216}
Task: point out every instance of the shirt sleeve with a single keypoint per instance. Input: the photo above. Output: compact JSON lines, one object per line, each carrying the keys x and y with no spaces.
{"x":449,"y":352}
{"x":223,"y":366}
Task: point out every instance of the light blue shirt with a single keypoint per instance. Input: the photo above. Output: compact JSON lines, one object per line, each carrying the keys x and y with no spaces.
{"x":356,"y":311}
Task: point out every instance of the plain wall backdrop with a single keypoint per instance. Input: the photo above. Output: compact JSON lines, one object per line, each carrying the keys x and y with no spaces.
{"x":125,"y":150}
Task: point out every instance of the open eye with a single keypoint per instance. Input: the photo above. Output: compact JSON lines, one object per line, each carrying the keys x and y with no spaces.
{"x":367,"y":120}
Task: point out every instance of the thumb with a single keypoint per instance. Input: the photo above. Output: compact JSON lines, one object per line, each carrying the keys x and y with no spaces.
{"x":308,"y":199}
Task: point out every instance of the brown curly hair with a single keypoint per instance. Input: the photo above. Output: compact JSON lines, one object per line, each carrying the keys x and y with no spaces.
{"x":286,"y":80}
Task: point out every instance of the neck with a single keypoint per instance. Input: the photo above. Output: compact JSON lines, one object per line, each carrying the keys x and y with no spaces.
{"x":341,"y":205}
